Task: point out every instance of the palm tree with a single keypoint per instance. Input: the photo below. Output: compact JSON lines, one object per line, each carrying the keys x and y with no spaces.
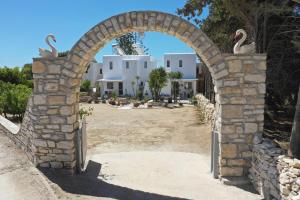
{"x":295,"y":136}
{"x":137,"y":85}
{"x":132,"y":84}
{"x":174,"y":79}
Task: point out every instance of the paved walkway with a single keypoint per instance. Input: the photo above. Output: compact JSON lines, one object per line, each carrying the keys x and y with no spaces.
{"x":19,"y":179}
{"x":149,"y":176}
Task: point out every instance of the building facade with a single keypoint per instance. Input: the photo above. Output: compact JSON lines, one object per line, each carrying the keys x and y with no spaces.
{"x":93,"y":73}
{"x":186,"y":64}
{"x":126,"y":74}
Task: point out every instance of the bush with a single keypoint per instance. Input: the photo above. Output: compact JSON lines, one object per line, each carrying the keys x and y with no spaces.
{"x":13,"y":99}
{"x":85,"y":112}
{"x":85,"y":86}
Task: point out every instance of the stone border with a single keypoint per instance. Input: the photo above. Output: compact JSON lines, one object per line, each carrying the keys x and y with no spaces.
{"x":21,"y":136}
{"x":274,"y":174}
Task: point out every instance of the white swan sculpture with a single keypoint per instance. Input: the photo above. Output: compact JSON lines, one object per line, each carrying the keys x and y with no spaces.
{"x":46,"y":53}
{"x":245,"y":49}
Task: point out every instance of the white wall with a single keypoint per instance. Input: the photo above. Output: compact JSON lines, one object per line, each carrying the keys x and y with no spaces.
{"x":116,"y":71}
{"x":189,"y":62}
{"x":188,"y":70}
{"x":128,"y":75}
{"x":93,"y":73}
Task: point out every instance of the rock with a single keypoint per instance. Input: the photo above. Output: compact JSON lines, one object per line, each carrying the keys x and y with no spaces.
{"x":295,"y":188}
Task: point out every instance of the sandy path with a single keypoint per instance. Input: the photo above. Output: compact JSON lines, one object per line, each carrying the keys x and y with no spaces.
{"x":153,"y":154}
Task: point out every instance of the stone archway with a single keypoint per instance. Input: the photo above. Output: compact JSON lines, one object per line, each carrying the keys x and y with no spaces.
{"x":239,"y":84}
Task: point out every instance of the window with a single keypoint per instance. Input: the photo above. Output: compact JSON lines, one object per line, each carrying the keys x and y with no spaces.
{"x":110,"y":65}
{"x":127,"y":65}
{"x":101,"y":71}
{"x":110,"y":85}
{"x":142,"y":83}
{"x":168,"y":63}
{"x":145,"y":64}
{"x":180,"y":63}
{"x":87,"y":70}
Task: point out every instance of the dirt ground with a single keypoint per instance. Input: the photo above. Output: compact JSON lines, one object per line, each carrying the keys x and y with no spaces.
{"x":151,"y":154}
{"x":161,"y":129}
{"x":155,"y":154}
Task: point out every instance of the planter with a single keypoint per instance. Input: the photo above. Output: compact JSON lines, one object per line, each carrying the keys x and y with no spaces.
{"x":90,"y":100}
{"x":136,"y":104}
{"x":111,"y":102}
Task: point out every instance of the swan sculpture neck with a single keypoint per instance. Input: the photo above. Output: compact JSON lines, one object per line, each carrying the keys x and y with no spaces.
{"x":242,"y":40}
{"x":53,"y":49}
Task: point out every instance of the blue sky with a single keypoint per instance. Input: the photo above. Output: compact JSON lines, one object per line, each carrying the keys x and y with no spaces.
{"x":24,"y":25}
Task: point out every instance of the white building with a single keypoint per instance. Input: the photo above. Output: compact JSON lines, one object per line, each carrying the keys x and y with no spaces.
{"x":120,"y":74}
{"x":186,"y":63}
{"x":93,"y":73}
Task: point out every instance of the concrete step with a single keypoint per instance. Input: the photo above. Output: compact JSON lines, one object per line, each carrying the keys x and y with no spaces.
{"x":231,"y":180}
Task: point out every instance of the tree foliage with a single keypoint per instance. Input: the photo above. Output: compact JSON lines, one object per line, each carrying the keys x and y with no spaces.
{"x":274,"y":26}
{"x":157,"y":80}
{"x":85,"y":86}
{"x":13,"y":99}
{"x":17,"y":76}
{"x":126,"y":43}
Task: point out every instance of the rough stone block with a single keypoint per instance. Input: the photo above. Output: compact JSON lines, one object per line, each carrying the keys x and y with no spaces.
{"x":236,"y":162}
{"x":228,"y":150}
{"x":258,"y":78}
{"x":38,"y":67}
{"x":51,"y":144}
{"x":232,"y":111}
{"x":65,"y":145}
{"x":56,"y":100}
{"x":58,"y":120}
{"x":251,"y":127}
{"x":231,"y":171}
{"x":53,"y":69}
{"x":67,"y":128}
{"x":56,"y":165}
{"x":40,"y":143}
{"x":66,"y":110}
{"x":64,"y":157}
{"x":235,"y":66}
{"x":39,"y":99}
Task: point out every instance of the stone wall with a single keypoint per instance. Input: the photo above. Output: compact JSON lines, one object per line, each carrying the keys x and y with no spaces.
{"x":206,"y":109}
{"x":273,"y":174}
{"x":21,"y":136}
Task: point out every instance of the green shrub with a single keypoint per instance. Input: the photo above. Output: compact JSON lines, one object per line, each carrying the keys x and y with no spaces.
{"x":13,"y":99}
{"x":85,"y":86}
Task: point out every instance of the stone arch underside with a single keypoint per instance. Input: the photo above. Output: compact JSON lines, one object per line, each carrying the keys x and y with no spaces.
{"x":239,"y":84}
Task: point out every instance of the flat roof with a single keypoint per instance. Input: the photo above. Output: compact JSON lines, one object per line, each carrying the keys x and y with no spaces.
{"x":187,"y":79}
{"x":109,"y":80}
{"x":179,"y":53}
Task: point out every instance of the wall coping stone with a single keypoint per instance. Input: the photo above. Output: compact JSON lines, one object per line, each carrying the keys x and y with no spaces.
{"x":10,"y":126}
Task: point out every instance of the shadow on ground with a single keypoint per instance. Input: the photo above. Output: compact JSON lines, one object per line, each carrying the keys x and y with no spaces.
{"x":89,"y":184}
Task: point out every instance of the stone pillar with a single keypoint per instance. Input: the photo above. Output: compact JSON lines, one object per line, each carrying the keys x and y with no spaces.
{"x":54,"y":117}
{"x":242,"y":94}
